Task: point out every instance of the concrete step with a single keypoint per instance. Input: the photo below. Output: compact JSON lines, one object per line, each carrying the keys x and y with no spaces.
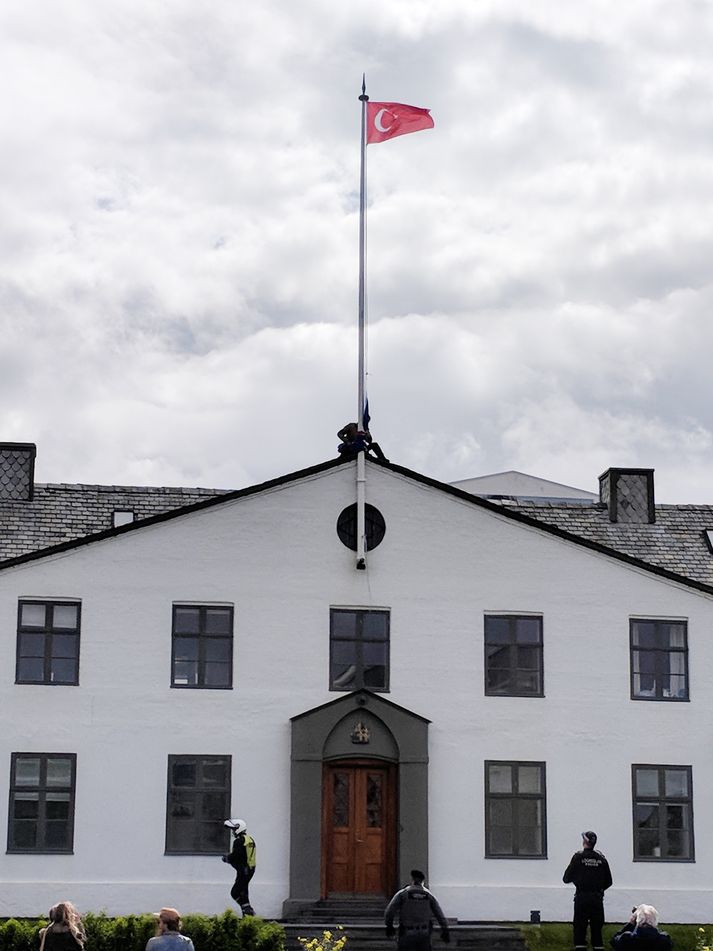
{"x":370,"y":936}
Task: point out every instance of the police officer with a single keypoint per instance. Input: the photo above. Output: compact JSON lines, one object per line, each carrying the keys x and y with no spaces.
{"x":242,"y":858}
{"x":589,"y":872}
{"x":415,"y":908}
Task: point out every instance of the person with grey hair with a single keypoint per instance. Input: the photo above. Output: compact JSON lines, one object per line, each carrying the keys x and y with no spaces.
{"x":641,"y":932}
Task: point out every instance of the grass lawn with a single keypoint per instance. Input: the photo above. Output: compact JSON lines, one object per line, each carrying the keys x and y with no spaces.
{"x":558,"y":937}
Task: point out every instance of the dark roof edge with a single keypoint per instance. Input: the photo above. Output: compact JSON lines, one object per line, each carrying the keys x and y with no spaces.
{"x":361,"y":691}
{"x":170,"y":514}
{"x":333,"y":464}
{"x":552,"y":529}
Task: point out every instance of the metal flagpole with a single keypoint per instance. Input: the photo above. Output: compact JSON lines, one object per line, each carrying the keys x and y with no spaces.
{"x":361,"y":464}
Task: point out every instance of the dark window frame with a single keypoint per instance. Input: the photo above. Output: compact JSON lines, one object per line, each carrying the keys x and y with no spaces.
{"x":359,"y":641}
{"x":203,"y":638}
{"x":516,"y":797}
{"x":659,"y":654}
{"x":42,"y":790}
{"x":48,"y":632}
{"x":661,"y":800}
{"x":200,"y":789}
{"x":513,"y":648}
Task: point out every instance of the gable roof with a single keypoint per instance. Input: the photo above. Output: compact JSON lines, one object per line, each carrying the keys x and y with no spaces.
{"x":62,"y":517}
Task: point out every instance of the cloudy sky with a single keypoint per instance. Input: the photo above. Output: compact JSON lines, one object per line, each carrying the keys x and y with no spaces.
{"x":179,"y":238}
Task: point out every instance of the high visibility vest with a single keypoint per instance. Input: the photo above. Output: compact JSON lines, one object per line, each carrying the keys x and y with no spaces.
{"x":250,"y":850}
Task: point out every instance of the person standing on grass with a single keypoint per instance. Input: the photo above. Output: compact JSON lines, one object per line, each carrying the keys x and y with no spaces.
{"x":589,"y":872}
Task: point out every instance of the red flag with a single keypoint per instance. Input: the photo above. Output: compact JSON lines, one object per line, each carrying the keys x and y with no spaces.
{"x":386,"y":120}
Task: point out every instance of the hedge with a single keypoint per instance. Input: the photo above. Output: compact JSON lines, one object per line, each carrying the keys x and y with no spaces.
{"x":224,"y":932}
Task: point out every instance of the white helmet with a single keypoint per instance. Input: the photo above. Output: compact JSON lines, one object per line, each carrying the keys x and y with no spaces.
{"x":237,"y":825}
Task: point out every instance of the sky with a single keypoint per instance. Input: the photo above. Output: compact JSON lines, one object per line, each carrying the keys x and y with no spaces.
{"x":179,"y":212}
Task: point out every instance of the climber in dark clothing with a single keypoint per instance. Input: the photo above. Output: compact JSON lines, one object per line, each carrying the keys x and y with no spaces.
{"x":589,"y":872}
{"x":355,"y":441}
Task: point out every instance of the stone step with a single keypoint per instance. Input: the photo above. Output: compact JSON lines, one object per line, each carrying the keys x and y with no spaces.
{"x":364,"y":936}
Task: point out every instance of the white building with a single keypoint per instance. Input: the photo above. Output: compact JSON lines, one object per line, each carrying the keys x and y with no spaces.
{"x":502,"y":675}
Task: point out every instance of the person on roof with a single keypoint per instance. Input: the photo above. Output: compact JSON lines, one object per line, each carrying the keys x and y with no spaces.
{"x":355,"y":440}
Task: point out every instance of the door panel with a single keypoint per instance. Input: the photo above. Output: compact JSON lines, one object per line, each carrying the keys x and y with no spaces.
{"x":358,"y":842}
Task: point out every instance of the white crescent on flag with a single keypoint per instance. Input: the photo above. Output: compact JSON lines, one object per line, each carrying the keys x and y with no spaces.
{"x":377,"y":120}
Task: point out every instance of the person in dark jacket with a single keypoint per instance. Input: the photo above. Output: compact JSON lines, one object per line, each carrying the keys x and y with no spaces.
{"x":589,"y":872}
{"x":642,"y":932}
{"x":242,"y":858}
{"x":415,"y":907}
{"x":64,"y":931}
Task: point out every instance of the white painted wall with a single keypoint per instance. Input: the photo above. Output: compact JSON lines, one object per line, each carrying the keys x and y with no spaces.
{"x":443,"y":564}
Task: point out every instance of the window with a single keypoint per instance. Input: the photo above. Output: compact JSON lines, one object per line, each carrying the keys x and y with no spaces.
{"x":515,"y":810}
{"x":202,"y":654}
{"x":198,"y":804}
{"x":513,"y":655}
{"x":663,"y":813}
{"x":48,"y":642}
{"x":374,"y":526}
{"x":359,"y":649}
{"x":122,"y":517}
{"x":41,"y":814}
{"x":659,"y":660}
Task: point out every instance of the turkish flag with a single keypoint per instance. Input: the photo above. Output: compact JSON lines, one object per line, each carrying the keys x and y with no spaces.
{"x":386,"y":120}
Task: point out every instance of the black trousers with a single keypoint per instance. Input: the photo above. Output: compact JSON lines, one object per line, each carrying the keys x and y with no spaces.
{"x":239,"y":891}
{"x":418,"y":941}
{"x":588,"y":910}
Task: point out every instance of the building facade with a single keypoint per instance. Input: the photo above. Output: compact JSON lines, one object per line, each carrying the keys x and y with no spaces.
{"x":499,"y":677}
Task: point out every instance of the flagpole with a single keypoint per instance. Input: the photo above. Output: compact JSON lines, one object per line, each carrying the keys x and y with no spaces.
{"x":361,"y":464}
{"x":362,"y":255}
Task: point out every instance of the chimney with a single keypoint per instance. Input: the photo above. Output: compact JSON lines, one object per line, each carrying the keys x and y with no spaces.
{"x":17,"y":471}
{"x":628,"y":495}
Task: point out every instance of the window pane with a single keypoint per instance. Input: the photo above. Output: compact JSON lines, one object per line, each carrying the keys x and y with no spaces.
{"x":674,"y":635}
{"x":529,"y":779}
{"x":218,"y":650}
{"x":529,"y":840}
{"x":501,"y":812}
{"x":375,"y":625}
{"x":32,"y":645}
{"x":528,"y":658}
{"x":647,"y":782}
{"x":678,"y":845}
{"x":499,"y":778}
{"x":26,"y":805}
{"x":63,"y":672}
{"x":186,"y":648}
{"x":65,"y":615}
{"x":344,"y":624}
{"x":213,"y":806}
{"x":527,"y":630}
{"x":218,"y":621}
{"x":186,"y":620}
{"x":375,"y":676}
{"x":31,"y":670}
{"x":675,"y":782}
{"x":182,"y":805}
{"x":501,"y":842}
{"x":497,"y":630}
{"x":184,"y":774}
{"x":64,"y":645}
{"x":644,"y":634}
{"x":27,"y":771}
{"x":57,"y":806}
{"x":185,"y":673}
{"x":216,"y":675}
{"x":23,"y":835}
{"x":32,"y":615}
{"x":500,"y":680}
{"x":215,"y":773}
{"x":59,"y":771}
{"x":57,"y":835}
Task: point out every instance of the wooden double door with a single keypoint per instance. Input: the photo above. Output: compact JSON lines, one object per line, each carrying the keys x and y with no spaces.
{"x":358,"y":828}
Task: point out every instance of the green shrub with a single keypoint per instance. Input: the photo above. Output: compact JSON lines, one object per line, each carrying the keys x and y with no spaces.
{"x":224,"y":932}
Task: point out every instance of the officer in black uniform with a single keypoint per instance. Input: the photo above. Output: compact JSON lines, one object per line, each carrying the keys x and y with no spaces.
{"x":589,"y":872}
{"x":415,"y":908}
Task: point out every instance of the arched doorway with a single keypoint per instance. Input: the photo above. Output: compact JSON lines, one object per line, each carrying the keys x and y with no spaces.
{"x":357,"y":761}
